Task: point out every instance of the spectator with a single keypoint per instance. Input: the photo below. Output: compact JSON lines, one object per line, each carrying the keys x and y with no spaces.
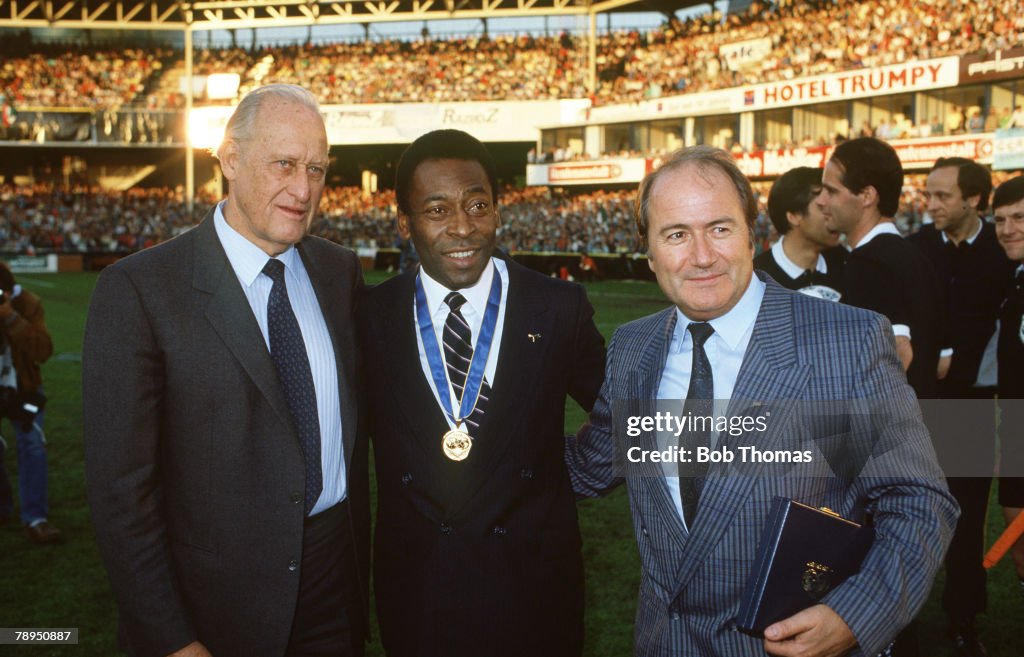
{"x":24,"y":345}
{"x":681,"y":56}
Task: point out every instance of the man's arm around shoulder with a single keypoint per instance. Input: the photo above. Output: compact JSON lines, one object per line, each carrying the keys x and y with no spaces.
{"x":589,"y":362}
{"x":590,"y":454}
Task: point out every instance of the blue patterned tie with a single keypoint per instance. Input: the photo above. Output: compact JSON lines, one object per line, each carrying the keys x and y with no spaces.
{"x":288,"y":351}
{"x":700,"y":398}
{"x":458,"y":354}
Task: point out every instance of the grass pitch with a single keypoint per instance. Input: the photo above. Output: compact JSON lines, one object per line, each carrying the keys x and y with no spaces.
{"x":64,"y":586}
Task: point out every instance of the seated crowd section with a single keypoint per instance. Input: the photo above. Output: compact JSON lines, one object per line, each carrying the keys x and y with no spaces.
{"x":43,"y":218}
{"x":807,"y":38}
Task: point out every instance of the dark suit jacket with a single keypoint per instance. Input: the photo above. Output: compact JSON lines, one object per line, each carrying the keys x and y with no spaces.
{"x":814,"y":369}
{"x":194,"y":472}
{"x":480,"y":557}
{"x":973,"y":280}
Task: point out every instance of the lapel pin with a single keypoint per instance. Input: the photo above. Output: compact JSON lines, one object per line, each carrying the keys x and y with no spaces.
{"x":533,"y":336}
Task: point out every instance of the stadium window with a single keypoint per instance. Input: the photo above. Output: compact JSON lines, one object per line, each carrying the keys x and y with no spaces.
{"x":773,"y":129}
{"x":821,"y":123}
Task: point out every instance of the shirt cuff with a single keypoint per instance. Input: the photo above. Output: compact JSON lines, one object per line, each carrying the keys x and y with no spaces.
{"x":901,"y":329}
{"x":946,"y":353}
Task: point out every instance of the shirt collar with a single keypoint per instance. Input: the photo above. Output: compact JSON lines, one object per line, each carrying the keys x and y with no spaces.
{"x":246,"y":258}
{"x":789,"y":267}
{"x":969,"y":240}
{"x":476,"y":294}
{"x":881,"y":228}
{"x":733,"y":325}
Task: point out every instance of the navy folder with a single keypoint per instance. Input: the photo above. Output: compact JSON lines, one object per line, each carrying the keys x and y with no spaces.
{"x":803,"y":554}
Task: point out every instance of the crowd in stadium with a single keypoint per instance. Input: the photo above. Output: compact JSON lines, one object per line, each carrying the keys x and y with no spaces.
{"x":92,"y":78}
{"x":43,"y":218}
{"x":535,"y":219}
{"x":806,"y":38}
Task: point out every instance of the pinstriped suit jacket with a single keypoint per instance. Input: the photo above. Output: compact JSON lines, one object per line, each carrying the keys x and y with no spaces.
{"x":801,"y":350}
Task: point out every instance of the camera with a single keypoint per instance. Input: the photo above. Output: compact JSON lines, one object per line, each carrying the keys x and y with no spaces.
{"x":21,"y":407}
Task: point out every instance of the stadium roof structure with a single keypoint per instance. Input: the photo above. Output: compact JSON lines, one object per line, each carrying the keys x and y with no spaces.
{"x":254,"y":14}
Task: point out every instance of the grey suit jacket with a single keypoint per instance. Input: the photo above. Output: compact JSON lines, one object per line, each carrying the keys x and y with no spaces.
{"x":193,"y":469}
{"x":802,"y":351}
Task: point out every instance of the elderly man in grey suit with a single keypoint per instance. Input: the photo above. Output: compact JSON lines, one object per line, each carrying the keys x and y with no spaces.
{"x":225,"y":467}
{"x":758,"y":349}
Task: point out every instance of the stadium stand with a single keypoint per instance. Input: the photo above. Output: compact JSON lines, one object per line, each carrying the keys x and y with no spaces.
{"x":93,"y":78}
{"x":806,"y":38}
{"x":44,"y":218}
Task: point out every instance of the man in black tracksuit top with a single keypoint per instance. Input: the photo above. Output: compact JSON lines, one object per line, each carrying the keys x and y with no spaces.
{"x":973,"y":270}
{"x":861,"y":188}
{"x":807,"y":257}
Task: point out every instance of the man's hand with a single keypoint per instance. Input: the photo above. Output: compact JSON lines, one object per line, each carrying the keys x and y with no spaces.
{"x":194,"y":649}
{"x":944,"y":363}
{"x":904,"y":351}
{"x":814,"y":632}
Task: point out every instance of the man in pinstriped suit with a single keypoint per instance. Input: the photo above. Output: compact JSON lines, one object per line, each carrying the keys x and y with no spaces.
{"x":765,"y":351}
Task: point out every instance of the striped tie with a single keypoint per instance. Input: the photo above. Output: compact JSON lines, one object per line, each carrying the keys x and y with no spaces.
{"x":458,"y":354}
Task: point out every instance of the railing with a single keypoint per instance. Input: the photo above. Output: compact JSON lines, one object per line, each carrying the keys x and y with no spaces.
{"x":143,"y":127}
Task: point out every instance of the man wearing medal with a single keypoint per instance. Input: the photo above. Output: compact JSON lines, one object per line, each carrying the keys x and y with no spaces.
{"x":477,"y":541}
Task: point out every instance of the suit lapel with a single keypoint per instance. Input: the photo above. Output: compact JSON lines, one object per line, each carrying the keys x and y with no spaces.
{"x":229,"y":313}
{"x":411,"y":391}
{"x":520,"y":361}
{"x":645,"y":381}
{"x":770,"y":379}
{"x":333,"y":300}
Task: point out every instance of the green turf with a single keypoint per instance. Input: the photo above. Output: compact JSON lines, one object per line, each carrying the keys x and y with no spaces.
{"x":65,"y":586}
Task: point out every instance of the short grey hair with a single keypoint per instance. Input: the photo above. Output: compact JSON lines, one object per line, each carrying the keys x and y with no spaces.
{"x":242,"y":124}
{"x":704,"y":158}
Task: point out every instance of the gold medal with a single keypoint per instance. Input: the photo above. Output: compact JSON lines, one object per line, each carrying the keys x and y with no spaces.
{"x":456,"y":445}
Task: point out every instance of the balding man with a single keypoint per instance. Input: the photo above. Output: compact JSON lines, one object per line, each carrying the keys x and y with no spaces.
{"x":225,"y":469}
{"x":734,"y":345}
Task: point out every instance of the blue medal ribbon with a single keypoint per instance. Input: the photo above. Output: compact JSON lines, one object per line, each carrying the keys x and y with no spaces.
{"x":435,"y":357}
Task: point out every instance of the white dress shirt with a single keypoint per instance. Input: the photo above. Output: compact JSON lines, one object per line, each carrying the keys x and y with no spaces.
{"x":725,"y":349}
{"x":476,"y":304}
{"x":247,"y":260}
{"x":792,"y":269}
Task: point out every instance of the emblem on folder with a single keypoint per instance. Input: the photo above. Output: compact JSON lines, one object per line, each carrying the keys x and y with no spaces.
{"x":816,"y":580}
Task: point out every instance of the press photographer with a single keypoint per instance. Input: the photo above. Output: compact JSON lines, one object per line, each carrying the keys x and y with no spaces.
{"x":24,"y":345}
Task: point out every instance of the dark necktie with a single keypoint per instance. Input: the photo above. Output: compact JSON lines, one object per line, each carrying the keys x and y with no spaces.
{"x":288,"y":352}
{"x":700,"y":398}
{"x":458,"y":354}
